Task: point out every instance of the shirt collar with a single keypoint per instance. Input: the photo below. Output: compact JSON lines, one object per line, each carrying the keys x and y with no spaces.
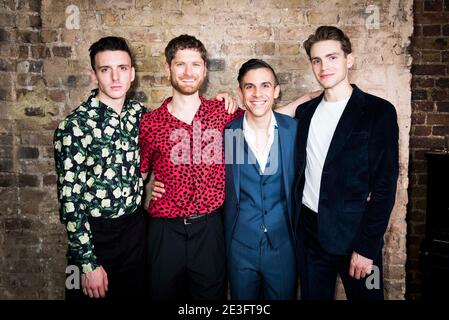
{"x":93,"y":102}
{"x":271,"y":127}
{"x":200,"y":112}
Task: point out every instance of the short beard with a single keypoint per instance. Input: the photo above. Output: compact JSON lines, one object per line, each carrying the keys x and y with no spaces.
{"x":192,"y":90}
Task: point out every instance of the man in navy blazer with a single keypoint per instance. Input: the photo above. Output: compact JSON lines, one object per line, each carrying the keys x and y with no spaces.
{"x":258,"y":208}
{"x":347,"y":157}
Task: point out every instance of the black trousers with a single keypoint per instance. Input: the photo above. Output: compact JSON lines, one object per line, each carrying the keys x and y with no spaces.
{"x":119,"y":245}
{"x":320,"y":268}
{"x":187,"y":261}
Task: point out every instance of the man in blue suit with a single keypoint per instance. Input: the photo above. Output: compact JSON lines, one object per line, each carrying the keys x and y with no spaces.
{"x":258,"y":208}
{"x":347,"y":157}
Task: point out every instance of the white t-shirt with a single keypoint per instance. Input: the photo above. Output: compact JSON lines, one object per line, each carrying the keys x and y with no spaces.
{"x":321,"y":131}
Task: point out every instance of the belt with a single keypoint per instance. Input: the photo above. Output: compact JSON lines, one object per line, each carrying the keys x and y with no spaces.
{"x":193,"y":218}
{"x":197,"y":217}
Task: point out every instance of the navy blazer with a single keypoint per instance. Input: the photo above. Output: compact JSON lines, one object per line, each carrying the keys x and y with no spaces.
{"x":287,"y":134}
{"x":362,"y":159}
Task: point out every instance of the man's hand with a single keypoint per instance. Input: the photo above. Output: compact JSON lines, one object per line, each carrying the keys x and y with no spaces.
{"x":157,"y":190}
{"x":359,"y":266}
{"x":95,"y":283}
{"x":290,"y":109}
{"x":230,"y":105}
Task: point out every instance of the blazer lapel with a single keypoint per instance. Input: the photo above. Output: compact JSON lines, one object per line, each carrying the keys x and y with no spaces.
{"x":348,"y":120}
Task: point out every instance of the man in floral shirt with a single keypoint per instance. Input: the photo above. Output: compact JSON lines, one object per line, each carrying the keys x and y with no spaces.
{"x":99,"y":183}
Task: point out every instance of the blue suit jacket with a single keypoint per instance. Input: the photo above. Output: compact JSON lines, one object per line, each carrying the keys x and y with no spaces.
{"x":287,"y":134}
{"x":362,"y":159}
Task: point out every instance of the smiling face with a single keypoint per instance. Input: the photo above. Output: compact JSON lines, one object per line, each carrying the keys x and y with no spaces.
{"x":330,"y":65}
{"x":258,"y":90}
{"x":187,"y":71}
{"x":114,"y":74}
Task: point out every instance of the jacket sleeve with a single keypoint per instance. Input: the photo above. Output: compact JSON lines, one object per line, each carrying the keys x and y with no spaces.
{"x":384,"y":171}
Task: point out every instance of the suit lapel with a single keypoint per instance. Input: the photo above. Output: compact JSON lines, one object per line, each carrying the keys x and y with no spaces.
{"x":238,"y":155}
{"x":285,"y":150}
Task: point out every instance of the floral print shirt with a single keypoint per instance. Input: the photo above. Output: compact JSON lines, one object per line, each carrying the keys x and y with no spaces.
{"x":98,"y":171}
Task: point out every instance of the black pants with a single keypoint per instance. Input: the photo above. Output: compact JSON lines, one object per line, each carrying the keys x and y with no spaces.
{"x":187,"y":261}
{"x":119,"y":245}
{"x":320,"y":268}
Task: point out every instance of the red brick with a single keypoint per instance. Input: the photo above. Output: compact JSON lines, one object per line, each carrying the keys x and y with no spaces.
{"x":430,"y":56}
{"x":431,"y":30}
{"x":438,"y":118}
{"x":420,"y":205}
{"x":419,"y":228}
{"x":440,"y":95}
{"x":440,"y":130}
{"x":49,"y":180}
{"x":419,"y":166}
{"x":419,"y":154}
{"x":418,"y":82}
{"x":23,"y":52}
{"x":8,"y":180}
{"x":26,"y":180}
{"x":35,"y":22}
{"x":429,"y":69}
{"x":64,"y":52}
{"x":443,"y":106}
{"x":432,"y":18}
{"x":40,"y":51}
{"x":418,"y":118}
{"x":422,"y":131}
{"x":57,"y":95}
{"x":17,"y":224}
{"x":29,"y":36}
{"x":426,"y":142}
{"x":422,"y":106}
{"x":6,"y":152}
{"x":418,"y":191}
{"x":431,"y":43}
{"x":417,"y":30}
{"x":442,"y":83}
{"x":433,"y":5}
{"x":28,"y":153}
{"x":6,"y":139}
{"x":419,"y":94}
{"x":6,"y":165}
{"x":34,"y":112}
{"x":446,"y":30}
{"x":445,"y":56}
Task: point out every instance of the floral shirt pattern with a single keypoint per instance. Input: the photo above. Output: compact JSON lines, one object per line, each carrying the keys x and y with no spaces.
{"x":98,"y":170}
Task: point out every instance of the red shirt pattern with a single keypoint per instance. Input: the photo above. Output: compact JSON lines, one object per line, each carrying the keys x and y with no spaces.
{"x":188,"y":159}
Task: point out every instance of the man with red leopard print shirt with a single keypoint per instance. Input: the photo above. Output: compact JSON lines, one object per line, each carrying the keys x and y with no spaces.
{"x":185,"y":237}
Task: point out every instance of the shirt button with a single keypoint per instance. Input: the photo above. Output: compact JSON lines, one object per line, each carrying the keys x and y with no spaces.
{"x":262,"y":227}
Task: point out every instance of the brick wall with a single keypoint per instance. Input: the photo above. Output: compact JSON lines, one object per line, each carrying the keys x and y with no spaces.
{"x":44,"y":73}
{"x":430,"y":118}
{"x":32,"y":242}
